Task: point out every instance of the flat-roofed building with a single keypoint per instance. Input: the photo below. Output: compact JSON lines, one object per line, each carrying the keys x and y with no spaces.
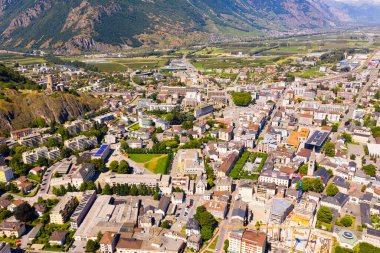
{"x":32,"y":156}
{"x":247,"y":241}
{"x":64,"y":209}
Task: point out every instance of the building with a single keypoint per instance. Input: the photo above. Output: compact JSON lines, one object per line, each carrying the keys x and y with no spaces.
{"x":108,"y":242}
{"x":281,"y":208}
{"x":226,"y":134}
{"x":82,"y":209}
{"x":337,"y":202}
{"x":5,"y":248}
{"x":64,"y":209}
{"x":81,"y":142}
{"x":223,"y":184}
{"x":6,"y":174}
{"x":58,"y":238}
{"x":374,"y":150}
{"x":102,"y":152}
{"x":274,"y":177}
{"x":194,"y":242}
{"x":317,"y":140}
{"x":32,"y":156}
{"x":192,"y":227}
{"x":247,"y":241}
{"x":12,"y":229}
{"x":84,"y":173}
{"x":190,"y":161}
{"x":217,"y":208}
{"x":311,"y":166}
{"x":228,"y":164}
{"x":372,"y":236}
{"x":203,"y":110}
{"x":17,"y":134}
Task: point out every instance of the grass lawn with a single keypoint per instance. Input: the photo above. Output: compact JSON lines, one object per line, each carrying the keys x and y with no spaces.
{"x":238,"y":173}
{"x":143,"y":158}
{"x":213,"y":244}
{"x":156,"y":163}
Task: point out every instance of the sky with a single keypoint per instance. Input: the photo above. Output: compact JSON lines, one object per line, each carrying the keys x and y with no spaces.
{"x":359,"y":1}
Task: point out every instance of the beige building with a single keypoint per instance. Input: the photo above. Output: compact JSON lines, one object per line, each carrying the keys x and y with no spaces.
{"x":247,"y":242}
{"x":12,"y":229}
{"x":62,"y":212}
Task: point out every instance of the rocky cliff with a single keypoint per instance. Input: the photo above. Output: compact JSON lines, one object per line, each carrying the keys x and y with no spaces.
{"x":19,"y":109}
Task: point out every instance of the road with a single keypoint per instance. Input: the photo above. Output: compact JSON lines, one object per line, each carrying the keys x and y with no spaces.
{"x":223,"y":230}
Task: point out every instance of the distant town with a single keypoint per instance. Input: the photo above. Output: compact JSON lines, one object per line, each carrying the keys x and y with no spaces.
{"x":206,"y":151}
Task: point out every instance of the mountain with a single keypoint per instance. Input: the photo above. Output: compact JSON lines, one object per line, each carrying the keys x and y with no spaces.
{"x":359,"y":12}
{"x":103,"y":25}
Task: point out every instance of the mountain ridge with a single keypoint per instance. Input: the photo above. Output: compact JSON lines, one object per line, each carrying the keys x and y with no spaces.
{"x":94,"y":25}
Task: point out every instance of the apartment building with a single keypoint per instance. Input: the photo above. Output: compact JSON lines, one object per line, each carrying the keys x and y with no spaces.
{"x":247,"y":241}
{"x":6,"y":173}
{"x":12,"y":229}
{"x":82,"y":209}
{"x":62,"y":212}
{"x":32,"y":156}
{"x":80,"y":142}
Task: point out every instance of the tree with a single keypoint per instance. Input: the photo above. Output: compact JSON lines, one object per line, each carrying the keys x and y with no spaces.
{"x":226,"y":245}
{"x":370,"y":170}
{"x":114,"y":166}
{"x":346,"y":221}
{"x":165,"y":224}
{"x":206,"y":232}
{"x":335,"y":127}
{"x":331,"y":189}
{"x":329,"y":149}
{"x":324,"y":214}
{"x":107,"y":190}
{"x":123,"y":167}
{"x":25,"y":212}
{"x":92,"y":246}
{"x":303,"y":169}
{"x":98,"y":164}
{"x":242,"y":98}
{"x":347,"y":137}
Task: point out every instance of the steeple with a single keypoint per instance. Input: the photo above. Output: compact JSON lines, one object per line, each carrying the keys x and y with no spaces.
{"x":310,"y":169}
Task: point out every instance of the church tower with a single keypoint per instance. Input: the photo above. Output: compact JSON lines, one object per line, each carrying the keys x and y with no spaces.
{"x":310,"y":169}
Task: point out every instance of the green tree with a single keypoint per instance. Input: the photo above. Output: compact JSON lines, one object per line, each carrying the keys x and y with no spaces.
{"x":329,"y":149}
{"x":242,"y":98}
{"x":165,"y":224}
{"x":107,"y":190}
{"x":303,"y":169}
{"x":206,"y":232}
{"x":98,"y":164}
{"x":347,"y":137}
{"x":370,"y":170}
{"x":346,"y":221}
{"x":91,"y":246}
{"x":226,"y":245}
{"x":123,"y":167}
{"x":324,"y":214}
{"x":25,"y":212}
{"x":331,"y":189}
{"x":114,"y":165}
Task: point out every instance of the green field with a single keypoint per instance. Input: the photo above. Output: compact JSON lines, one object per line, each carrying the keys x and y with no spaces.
{"x":122,"y":64}
{"x":156,"y":163}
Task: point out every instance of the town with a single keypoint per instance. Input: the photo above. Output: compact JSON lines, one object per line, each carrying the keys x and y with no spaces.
{"x":190,"y":153}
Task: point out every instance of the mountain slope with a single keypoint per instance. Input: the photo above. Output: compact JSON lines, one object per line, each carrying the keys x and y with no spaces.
{"x":101,"y":25}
